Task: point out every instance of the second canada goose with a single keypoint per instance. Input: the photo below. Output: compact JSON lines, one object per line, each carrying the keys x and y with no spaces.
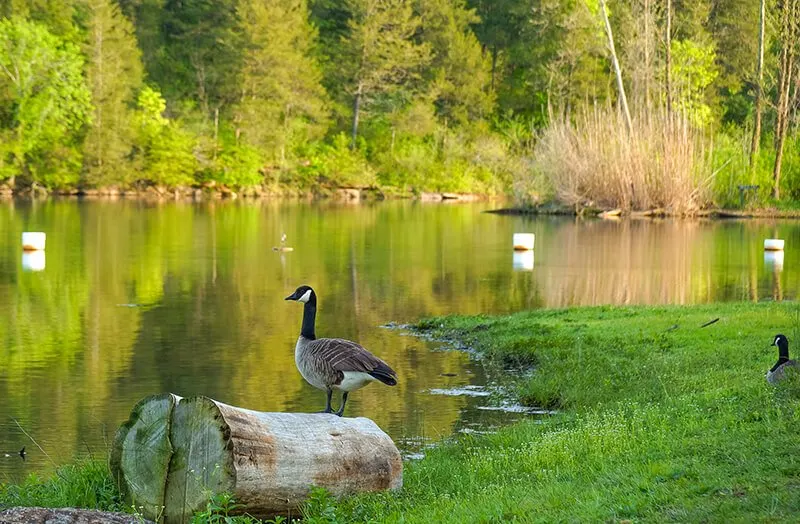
{"x":778,"y":371}
{"x":334,"y":363}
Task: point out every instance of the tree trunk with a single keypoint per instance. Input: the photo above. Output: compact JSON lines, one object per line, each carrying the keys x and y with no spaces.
{"x":788,"y":37}
{"x":173,"y":453}
{"x":617,"y":70}
{"x":647,"y":60}
{"x":494,"y":65}
{"x":756,"y":143}
{"x":668,"y":62}
{"x":356,"y":108}
{"x":216,"y":131}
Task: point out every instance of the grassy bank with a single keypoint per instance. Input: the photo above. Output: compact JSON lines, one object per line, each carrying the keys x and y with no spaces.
{"x":86,"y":484}
{"x":659,"y":420}
{"x":657,"y":423}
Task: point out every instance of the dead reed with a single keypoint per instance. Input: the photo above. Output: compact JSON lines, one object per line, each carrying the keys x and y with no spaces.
{"x":594,"y":160}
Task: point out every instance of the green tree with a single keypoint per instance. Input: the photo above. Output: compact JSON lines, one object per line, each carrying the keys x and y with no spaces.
{"x":114,"y":73}
{"x":382,"y":52}
{"x":44,"y":102}
{"x":60,"y":17}
{"x":734,"y":26}
{"x":546,"y":54}
{"x":201,"y":54}
{"x":164,"y":150}
{"x":283,"y":102}
{"x":499,"y":26}
{"x":694,"y":70}
{"x":459,"y":73}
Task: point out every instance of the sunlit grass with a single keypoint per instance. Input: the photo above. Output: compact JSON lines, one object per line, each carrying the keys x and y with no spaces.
{"x":85,"y":484}
{"x":657,"y":423}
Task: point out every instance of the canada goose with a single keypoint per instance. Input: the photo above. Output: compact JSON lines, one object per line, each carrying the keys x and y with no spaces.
{"x":334,"y":363}
{"x":283,"y":246}
{"x":778,"y":371}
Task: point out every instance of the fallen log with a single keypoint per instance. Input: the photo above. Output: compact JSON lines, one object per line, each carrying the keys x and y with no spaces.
{"x":174,"y":453}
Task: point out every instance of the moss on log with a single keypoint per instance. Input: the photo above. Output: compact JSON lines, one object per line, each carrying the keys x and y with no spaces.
{"x":267,"y":461}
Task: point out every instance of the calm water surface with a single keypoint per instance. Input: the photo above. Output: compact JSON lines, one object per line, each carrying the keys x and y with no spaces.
{"x":139,"y":298}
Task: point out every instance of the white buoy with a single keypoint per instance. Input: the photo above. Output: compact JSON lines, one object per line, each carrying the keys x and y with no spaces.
{"x":774,"y":259}
{"x":523,"y":260}
{"x":33,"y":241}
{"x":773,"y":244}
{"x":33,"y":260}
{"x":523,"y":241}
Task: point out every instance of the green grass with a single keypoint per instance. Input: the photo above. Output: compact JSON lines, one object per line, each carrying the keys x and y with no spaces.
{"x":655,"y":425}
{"x":85,"y":484}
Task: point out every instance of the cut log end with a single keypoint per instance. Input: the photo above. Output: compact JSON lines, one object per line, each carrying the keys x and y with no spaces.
{"x":141,"y":452}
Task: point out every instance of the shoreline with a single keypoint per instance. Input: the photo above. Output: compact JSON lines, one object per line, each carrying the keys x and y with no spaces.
{"x":216,"y":193}
{"x":358,"y":195}
{"x":618,"y":214}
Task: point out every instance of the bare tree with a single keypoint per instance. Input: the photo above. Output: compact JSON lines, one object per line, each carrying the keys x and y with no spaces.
{"x":788,"y":37}
{"x":623,"y":101}
{"x":754,"y":146}
{"x":668,"y":65}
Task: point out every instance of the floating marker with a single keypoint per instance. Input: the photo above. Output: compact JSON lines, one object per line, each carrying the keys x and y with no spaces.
{"x":33,"y":260}
{"x":774,"y":259}
{"x":523,"y":261}
{"x":773,"y":244}
{"x":33,"y":241}
{"x":523,"y":241}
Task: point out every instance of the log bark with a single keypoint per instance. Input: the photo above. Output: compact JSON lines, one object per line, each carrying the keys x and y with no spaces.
{"x":267,"y":461}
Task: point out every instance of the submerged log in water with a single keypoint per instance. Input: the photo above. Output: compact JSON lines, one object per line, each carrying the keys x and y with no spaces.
{"x":173,"y":453}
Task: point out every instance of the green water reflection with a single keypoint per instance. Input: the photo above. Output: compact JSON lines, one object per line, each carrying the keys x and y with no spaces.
{"x":139,"y":298}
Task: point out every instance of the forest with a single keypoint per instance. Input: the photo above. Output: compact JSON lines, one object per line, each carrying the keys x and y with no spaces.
{"x":636,"y":104}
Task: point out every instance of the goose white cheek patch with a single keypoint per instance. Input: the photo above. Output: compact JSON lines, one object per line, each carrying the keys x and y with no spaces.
{"x":305,"y":296}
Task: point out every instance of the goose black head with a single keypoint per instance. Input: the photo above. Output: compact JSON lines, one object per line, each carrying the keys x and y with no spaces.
{"x":783,"y":345}
{"x":303,"y":294}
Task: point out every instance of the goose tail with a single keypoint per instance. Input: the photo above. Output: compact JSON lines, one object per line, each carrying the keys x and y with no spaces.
{"x":385,"y":374}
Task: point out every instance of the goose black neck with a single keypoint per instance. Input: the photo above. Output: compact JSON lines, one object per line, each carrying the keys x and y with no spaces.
{"x":783,"y":351}
{"x":783,"y":354}
{"x":309,"y":317}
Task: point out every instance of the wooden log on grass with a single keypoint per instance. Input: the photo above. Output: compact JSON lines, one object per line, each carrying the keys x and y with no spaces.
{"x":267,"y":461}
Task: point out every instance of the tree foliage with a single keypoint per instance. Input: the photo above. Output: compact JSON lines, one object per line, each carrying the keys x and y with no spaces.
{"x":281,"y":80}
{"x":114,"y":74}
{"x":44,"y":103}
{"x":381,"y":53}
{"x":433,"y":93}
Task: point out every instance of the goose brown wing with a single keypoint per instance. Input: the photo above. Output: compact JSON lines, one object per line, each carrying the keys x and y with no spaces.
{"x":345,"y":355}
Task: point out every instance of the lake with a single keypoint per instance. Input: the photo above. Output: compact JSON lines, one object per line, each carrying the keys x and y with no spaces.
{"x":138,"y":298}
